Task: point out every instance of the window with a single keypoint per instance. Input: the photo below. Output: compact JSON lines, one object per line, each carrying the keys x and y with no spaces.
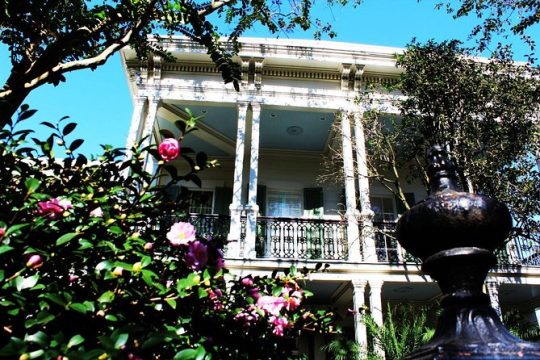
{"x":284,"y":203}
{"x":200,"y":202}
{"x":383,"y":207}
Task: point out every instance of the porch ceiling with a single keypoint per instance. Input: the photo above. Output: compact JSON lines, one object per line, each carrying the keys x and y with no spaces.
{"x":280,"y":129}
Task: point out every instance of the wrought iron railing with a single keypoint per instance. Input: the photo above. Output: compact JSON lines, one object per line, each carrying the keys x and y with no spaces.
{"x":279,"y":237}
{"x":210,"y":225}
{"x":517,"y":252}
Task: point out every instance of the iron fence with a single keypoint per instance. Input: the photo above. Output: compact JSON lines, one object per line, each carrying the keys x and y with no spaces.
{"x":301,"y":238}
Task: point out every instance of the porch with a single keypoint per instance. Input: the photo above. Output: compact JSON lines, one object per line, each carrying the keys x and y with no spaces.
{"x":326,"y":239}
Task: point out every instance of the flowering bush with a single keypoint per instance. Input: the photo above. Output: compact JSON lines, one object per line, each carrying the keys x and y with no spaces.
{"x":91,"y":268}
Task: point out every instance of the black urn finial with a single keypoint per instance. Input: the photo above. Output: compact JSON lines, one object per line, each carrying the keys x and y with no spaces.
{"x":441,"y":170}
{"x":455,"y":233}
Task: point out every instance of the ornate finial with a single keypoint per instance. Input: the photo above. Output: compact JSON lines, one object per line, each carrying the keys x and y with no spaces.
{"x":441,"y":170}
{"x":455,"y":234}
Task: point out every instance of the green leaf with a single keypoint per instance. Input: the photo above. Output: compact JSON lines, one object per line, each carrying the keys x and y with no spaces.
{"x":171,"y":302}
{"x":115,"y":230}
{"x":36,"y":354}
{"x":26,"y":114}
{"x":111,"y":318}
{"x":55,"y":298}
{"x":104,"y":265}
{"x":85,"y":244}
{"x":26,"y":283}
{"x":31,"y":185}
{"x":75,"y":144}
{"x":69,"y":128}
{"x":75,"y":340}
{"x":39,"y":338}
{"x":106,"y":297}
{"x":15,"y":228}
{"x":186,"y":354}
{"x":5,"y":249}
{"x":78,"y":307}
{"x":65,"y":238}
{"x":121,"y":341}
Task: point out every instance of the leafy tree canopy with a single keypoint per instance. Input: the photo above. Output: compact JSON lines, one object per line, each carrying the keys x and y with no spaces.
{"x":484,"y":111}
{"x":498,"y":18}
{"x":47,"y":39}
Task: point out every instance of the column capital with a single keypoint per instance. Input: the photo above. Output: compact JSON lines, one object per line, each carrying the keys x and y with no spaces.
{"x":242,"y":104}
{"x":154,"y":100}
{"x":359,"y":284}
{"x":376,"y":284}
{"x":139,"y":101}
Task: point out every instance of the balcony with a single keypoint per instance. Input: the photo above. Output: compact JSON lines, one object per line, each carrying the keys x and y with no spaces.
{"x":321,"y":239}
{"x":294,"y":238}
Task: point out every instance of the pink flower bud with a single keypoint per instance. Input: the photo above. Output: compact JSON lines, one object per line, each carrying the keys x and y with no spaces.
{"x":247,"y":281}
{"x":34,"y":261}
{"x":169,"y":149}
{"x":2,"y":232}
{"x":118,"y":271}
{"x":148,"y":246}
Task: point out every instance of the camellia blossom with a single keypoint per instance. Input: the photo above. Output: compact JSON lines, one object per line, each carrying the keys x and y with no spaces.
{"x":53,"y":208}
{"x":197,"y":255}
{"x":181,"y":233}
{"x":169,"y":149}
{"x":271,"y":304}
{"x":279,"y":324}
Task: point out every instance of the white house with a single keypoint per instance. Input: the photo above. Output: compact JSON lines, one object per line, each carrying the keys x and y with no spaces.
{"x":269,"y":139}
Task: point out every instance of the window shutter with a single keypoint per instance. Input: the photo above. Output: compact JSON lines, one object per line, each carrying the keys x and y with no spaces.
{"x":171,"y":193}
{"x":409,"y":197}
{"x":313,"y":198}
{"x":261,"y":199}
{"x":223,"y":198}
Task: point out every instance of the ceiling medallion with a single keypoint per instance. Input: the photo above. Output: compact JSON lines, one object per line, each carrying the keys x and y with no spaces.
{"x":294,"y":130}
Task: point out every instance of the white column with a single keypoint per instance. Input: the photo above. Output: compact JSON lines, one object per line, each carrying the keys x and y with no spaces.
{"x":366,"y":214}
{"x":233,"y":247}
{"x":360,"y":334}
{"x":375,"y":307}
{"x":139,"y":108}
{"x":492,"y":287}
{"x":252,"y":208}
{"x":353,"y":234}
{"x":147,"y":133}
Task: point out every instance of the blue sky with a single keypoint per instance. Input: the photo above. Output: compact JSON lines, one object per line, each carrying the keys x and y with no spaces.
{"x":100,"y":103}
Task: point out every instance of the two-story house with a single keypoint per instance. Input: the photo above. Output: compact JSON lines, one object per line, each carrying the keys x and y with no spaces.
{"x":269,"y":138}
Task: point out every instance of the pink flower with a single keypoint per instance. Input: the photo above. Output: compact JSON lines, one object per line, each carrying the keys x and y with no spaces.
{"x":97,"y":212}
{"x":197,"y":255}
{"x":53,"y":208}
{"x":2,"y":232}
{"x":247,"y":281}
{"x":247,"y":316}
{"x":292,"y":303}
{"x":181,"y":233}
{"x":169,"y":149}
{"x":34,"y":261}
{"x":148,"y":246}
{"x":271,"y":304}
{"x":280,"y":324}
